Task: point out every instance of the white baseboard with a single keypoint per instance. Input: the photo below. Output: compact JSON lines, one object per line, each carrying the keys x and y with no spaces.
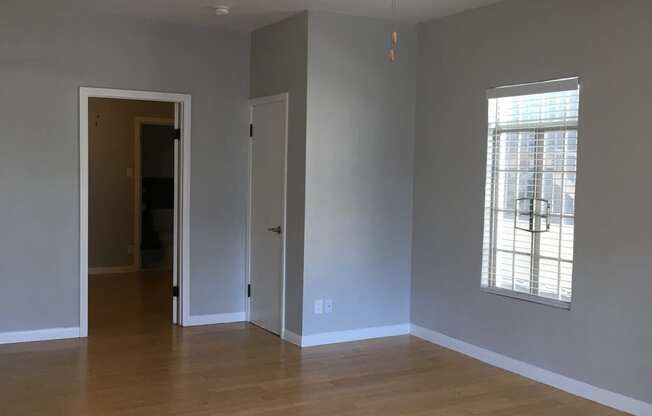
{"x":38,"y":335}
{"x":291,"y":337}
{"x":112,"y":270}
{"x":325,"y":338}
{"x":220,"y":318}
{"x":578,"y":388}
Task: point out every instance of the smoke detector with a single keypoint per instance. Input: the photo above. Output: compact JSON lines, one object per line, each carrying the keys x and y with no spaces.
{"x":222,"y":10}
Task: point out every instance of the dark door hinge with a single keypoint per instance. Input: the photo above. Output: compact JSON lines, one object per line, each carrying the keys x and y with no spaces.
{"x":249,"y":291}
{"x":177,"y":134}
{"x":251,"y":130}
{"x":175,"y":291}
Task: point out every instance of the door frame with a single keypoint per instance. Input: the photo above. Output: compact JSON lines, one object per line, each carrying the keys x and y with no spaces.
{"x":139,"y":122}
{"x":284,"y":97}
{"x":85,"y":93}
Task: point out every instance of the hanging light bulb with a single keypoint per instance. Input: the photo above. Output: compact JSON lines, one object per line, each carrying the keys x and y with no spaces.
{"x":392,"y":54}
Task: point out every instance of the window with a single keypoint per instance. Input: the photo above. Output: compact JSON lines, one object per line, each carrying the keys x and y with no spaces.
{"x":529,"y":219}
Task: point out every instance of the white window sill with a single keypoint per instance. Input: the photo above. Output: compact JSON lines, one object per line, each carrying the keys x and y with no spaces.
{"x":527,"y":297}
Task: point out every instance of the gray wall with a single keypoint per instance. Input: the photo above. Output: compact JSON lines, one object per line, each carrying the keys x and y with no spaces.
{"x":45,"y":57}
{"x":359,"y":173}
{"x":279,"y":56}
{"x":354,"y":185}
{"x":606,"y":338}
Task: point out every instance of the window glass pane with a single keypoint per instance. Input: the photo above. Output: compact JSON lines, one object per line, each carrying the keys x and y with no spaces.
{"x":549,"y":241}
{"x":506,"y":190}
{"x":522,"y":273}
{"x":567,"y":232}
{"x":552,"y":150}
{"x":566,"y":272}
{"x":505,"y":231}
{"x":569,"y":193}
{"x":551,"y":190}
{"x":523,"y":239}
{"x":504,"y":270}
{"x":548,"y":274}
{"x":570,"y":150}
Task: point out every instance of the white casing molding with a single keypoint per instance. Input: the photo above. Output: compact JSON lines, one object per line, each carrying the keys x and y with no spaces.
{"x":578,"y":388}
{"x":184,"y":279}
{"x":220,"y":318}
{"x":38,"y":335}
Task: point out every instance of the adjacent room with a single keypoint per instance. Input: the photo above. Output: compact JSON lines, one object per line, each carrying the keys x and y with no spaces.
{"x":311,"y":207}
{"x":131,"y":214}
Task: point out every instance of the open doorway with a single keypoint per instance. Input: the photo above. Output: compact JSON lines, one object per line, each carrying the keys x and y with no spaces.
{"x":134,"y":169}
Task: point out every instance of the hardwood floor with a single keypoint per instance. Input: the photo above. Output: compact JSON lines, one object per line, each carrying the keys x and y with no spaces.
{"x":130,"y":303}
{"x":133,"y":365}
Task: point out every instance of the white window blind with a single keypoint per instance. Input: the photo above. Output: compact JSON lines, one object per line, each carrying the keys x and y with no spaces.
{"x":530,"y":191}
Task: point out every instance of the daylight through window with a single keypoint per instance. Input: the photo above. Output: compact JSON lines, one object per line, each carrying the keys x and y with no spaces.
{"x":530,"y":190}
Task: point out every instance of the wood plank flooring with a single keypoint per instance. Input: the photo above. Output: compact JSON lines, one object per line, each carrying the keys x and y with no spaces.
{"x":141,"y":365}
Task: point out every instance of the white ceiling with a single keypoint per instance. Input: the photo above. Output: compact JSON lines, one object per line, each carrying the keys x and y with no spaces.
{"x":247,"y":15}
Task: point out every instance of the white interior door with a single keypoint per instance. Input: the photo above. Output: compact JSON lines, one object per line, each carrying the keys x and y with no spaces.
{"x":176,"y":249}
{"x":269,"y":119}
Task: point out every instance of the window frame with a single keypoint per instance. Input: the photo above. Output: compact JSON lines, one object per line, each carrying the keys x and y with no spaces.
{"x":539,"y":130}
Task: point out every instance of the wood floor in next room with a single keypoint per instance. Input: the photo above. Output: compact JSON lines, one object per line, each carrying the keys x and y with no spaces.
{"x":141,"y":365}
{"x":129,"y":303}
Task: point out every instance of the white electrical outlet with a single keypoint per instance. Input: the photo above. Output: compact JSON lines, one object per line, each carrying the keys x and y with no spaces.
{"x":319,"y":306}
{"x":328,"y":305}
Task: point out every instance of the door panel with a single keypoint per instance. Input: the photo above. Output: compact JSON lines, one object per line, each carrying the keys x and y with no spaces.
{"x":267,"y":214}
{"x":176,"y":250}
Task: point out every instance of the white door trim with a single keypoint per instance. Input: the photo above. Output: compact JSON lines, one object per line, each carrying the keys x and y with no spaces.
{"x":184,"y":282}
{"x":284,"y":97}
{"x":138,"y":192}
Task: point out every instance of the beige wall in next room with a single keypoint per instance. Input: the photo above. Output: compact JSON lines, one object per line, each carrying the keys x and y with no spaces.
{"x":111,"y":180}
